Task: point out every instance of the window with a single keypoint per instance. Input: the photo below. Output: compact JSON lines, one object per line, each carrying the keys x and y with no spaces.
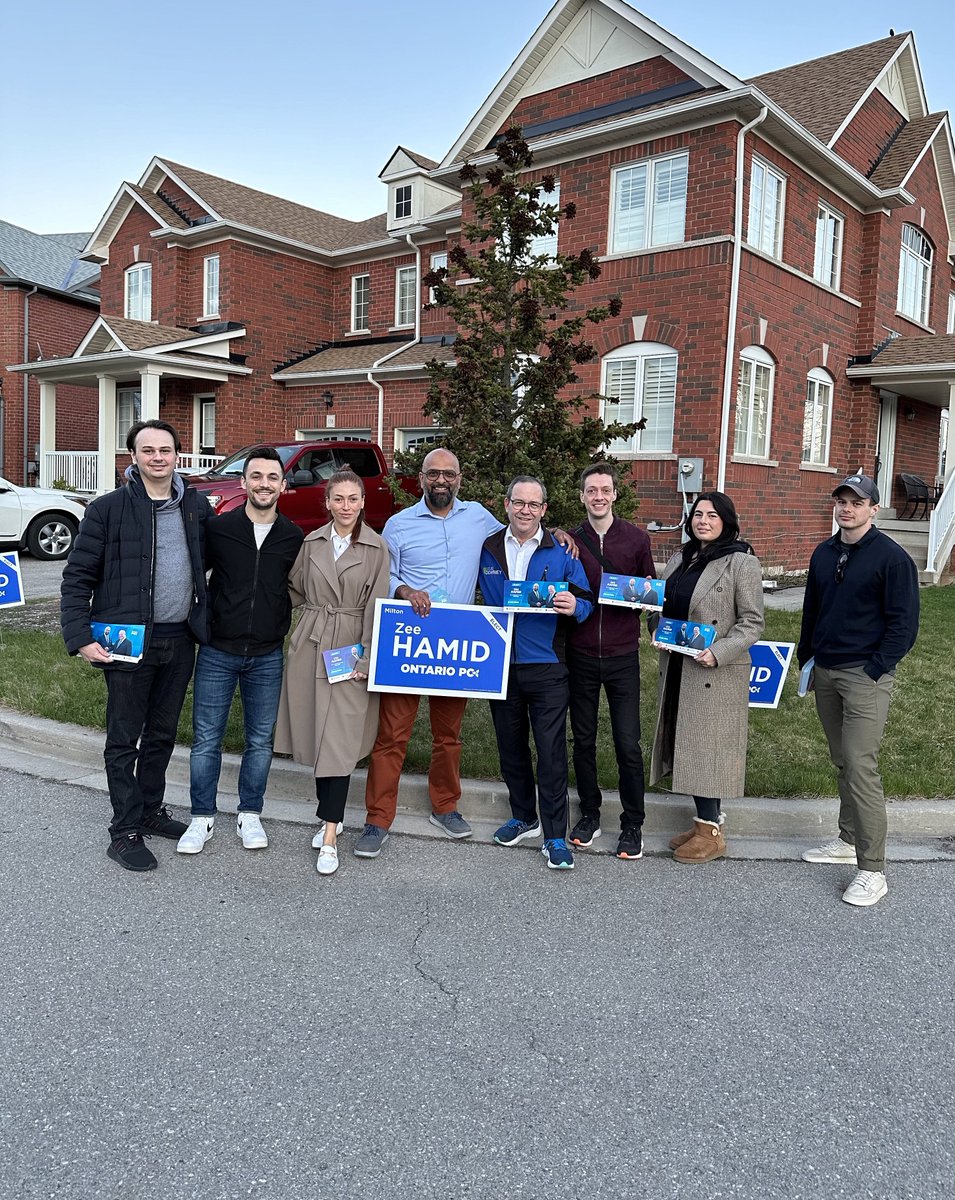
{"x":827,"y":267}
{"x":817,"y":421}
{"x":767,"y":190}
{"x":128,"y":412}
{"x":210,"y":285}
{"x":139,"y":292}
{"x":402,"y":202}
{"x":417,"y":439}
{"x":915,"y":273}
{"x":546,"y":243}
{"x":950,"y":323}
{"x":437,"y":262}
{"x":207,"y":426}
{"x":360,"y":293}
{"x":335,"y":435}
{"x":406,"y":286}
{"x":754,"y":402}
{"x":639,"y":381}
{"x":649,"y":204}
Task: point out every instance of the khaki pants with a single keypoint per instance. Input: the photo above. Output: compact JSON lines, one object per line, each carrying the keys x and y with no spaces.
{"x":853,"y":710}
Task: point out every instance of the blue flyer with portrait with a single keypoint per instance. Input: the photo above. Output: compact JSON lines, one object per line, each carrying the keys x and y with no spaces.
{"x":631,"y":591}
{"x":685,"y":637}
{"x":124,"y":642}
{"x":533,"y":595}
{"x":341,"y":662}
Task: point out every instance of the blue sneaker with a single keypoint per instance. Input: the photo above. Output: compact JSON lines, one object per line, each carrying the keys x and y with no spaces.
{"x":558,"y":855}
{"x":515,"y":832}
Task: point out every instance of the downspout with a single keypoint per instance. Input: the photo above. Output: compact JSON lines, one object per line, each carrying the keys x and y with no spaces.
{"x":26,"y":383}
{"x":729,"y":365}
{"x":400,"y":349}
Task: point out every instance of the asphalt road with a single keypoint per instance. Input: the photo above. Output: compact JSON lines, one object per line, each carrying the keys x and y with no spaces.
{"x":457,"y":1021}
{"x":41,"y":578}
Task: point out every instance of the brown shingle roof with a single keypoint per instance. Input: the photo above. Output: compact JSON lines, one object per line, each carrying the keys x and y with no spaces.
{"x":158,"y":205}
{"x":143,"y":335}
{"x":821,"y":93}
{"x":271,"y":214}
{"x":917,"y":351}
{"x":905,"y":150}
{"x":361,"y":356}
{"x":420,"y":159}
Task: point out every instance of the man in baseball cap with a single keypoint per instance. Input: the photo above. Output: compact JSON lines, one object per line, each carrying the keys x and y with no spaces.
{"x":862,"y":485}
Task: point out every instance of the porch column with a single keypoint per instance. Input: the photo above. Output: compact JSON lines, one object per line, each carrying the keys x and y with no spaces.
{"x":950,"y":440}
{"x":149,"y":392}
{"x":47,"y":431}
{"x":106,"y":446}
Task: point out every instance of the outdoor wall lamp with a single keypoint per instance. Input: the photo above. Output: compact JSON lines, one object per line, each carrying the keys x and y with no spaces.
{"x":329,"y":399}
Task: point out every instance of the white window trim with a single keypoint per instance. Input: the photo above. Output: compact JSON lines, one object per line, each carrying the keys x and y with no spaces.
{"x":399,"y":324}
{"x":438,"y":254}
{"x":651,"y":164}
{"x":142,"y":271}
{"x":777,"y":249}
{"x":122,"y":426}
{"x":547,"y":243}
{"x":818,"y":377}
{"x":907,"y":254}
{"x":640,"y":352}
{"x":355,"y":327}
{"x":330,"y":434}
{"x":839,"y":221}
{"x":409,"y":215}
{"x":207,"y":309}
{"x":757,"y":357}
{"x":404,"y":436}
{"x":950,"y":322}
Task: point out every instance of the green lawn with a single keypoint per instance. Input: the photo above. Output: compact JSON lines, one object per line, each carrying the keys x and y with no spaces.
{"x":787,"y":751}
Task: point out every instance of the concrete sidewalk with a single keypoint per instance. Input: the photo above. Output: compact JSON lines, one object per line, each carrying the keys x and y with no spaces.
{"x":758,"y":828}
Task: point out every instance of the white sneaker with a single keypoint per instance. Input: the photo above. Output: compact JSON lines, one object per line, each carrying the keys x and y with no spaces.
{"x":327,"y":860}
{"x":198,"y":832}
{"x":248,"y":827}
{"x":319,"y":837}
{"x":867,"y":888}
{"x":836,"y":851}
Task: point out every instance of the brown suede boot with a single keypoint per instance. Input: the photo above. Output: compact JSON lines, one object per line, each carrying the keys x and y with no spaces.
{"x":706,"y":844}
{"x":680,"y":838}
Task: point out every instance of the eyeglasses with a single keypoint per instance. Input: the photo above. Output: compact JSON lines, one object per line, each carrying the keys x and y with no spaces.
{"x":533,"y":506}
{"x":841,"y":566}
{"x":434,"y":476}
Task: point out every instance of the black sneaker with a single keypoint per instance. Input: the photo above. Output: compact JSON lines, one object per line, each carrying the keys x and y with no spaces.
{"x":132,"y":853}
{"x":630,"y":844}
{"x":585,"y":831}
{"x":162,"y":823}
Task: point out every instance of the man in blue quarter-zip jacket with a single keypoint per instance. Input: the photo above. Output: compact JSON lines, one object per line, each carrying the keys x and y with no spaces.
{"x":537,"y":689}
{"x":251,"y":551}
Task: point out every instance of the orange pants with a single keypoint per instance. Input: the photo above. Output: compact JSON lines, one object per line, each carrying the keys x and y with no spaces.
{"x":396,"y":719}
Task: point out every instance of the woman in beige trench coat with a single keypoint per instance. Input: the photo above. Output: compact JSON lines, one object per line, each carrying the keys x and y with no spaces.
{"x":340,"y":571}
{"x":704,"y":715}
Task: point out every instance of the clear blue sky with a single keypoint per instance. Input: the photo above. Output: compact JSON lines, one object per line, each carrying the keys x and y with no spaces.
{"x":308,"y":101}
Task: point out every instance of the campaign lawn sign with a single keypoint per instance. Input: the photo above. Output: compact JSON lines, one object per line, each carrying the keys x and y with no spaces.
{"x":625,"y":591}
{"x":456,"y":650}
{"x":11,"y":581}
{"x":685,"y":637}
{"x":533,"y":595}
{"x":770,"y":665}
{"x":340,"y":663}
{"x":124,"y":642}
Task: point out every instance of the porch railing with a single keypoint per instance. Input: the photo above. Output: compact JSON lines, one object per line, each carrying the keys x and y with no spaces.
{"x":75,"y":468}
{"x":194,"y":464}
{"x":941,"y":529}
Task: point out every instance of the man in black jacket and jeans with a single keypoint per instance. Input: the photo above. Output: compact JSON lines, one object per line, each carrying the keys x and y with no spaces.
{"x":251,"y":551}
{"x":138,"y":560}
{"x":603,"y":652}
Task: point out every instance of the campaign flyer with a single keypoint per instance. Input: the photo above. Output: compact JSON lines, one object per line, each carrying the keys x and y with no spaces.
{"x":532,"y":595}
{"x":629,"y":591}
{"x":341,"y":662}
{"x":685,"y":637}
{"x":124,"y":642}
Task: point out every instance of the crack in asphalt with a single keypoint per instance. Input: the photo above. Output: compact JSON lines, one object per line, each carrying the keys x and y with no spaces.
{"x":418,"y":960}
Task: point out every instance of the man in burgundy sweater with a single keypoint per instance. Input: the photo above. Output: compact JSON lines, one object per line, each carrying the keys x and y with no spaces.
{"x":603,"y":652}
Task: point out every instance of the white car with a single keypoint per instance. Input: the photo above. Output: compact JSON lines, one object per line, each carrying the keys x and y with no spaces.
{"x":41,"y":520}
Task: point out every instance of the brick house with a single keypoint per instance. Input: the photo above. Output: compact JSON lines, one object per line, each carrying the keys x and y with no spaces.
{"x":782,"y":246}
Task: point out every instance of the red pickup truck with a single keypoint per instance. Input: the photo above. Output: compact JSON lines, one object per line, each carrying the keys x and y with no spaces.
{"x":308,"y":465}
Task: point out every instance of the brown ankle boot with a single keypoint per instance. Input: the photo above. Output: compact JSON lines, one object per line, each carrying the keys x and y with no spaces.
{"x":706,"y":844}
{"x":680,"y":838}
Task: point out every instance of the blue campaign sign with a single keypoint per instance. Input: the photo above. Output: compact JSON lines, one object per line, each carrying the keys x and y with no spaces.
{"x":456,"y":650}
{"x":768,"y":673}
{"x":11,"y":581}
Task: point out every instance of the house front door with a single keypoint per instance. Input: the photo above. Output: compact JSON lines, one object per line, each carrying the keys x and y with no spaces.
{"x":885,"y":448}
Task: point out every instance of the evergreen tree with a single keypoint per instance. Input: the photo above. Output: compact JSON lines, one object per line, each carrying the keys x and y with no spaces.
{"x":508,"y":401}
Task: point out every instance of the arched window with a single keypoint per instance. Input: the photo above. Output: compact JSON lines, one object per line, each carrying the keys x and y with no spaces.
{"x":915,"y":274}
{"x":817,"y":422}
{"x":754,"y":402}
{"x":139,"y":292}
{"x":639,"y":382}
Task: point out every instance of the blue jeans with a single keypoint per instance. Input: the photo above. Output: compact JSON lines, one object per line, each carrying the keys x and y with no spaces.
{"x":259,"y":679}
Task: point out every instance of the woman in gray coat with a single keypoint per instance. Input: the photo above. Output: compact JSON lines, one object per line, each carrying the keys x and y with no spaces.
{"x":704,"y":715}
{"x":340,"y":571}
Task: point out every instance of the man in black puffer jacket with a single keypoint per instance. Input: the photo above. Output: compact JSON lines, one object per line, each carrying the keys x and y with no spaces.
{"x":139,"y":560}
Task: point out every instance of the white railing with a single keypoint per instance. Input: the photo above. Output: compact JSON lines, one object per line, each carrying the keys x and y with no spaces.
{"x":941,"y":529}
{"x":194,"y":464}
{"x":75,"y":468}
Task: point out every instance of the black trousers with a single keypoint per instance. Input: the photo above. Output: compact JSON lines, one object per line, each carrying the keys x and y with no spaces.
{"x":142,"y":714}
{"x":331,"y":791}
{"x":620,"y":679}
{"x":537,"y":697}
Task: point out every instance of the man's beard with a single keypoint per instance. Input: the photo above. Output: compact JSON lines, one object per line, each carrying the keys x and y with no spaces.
{"x":440,"y":496}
